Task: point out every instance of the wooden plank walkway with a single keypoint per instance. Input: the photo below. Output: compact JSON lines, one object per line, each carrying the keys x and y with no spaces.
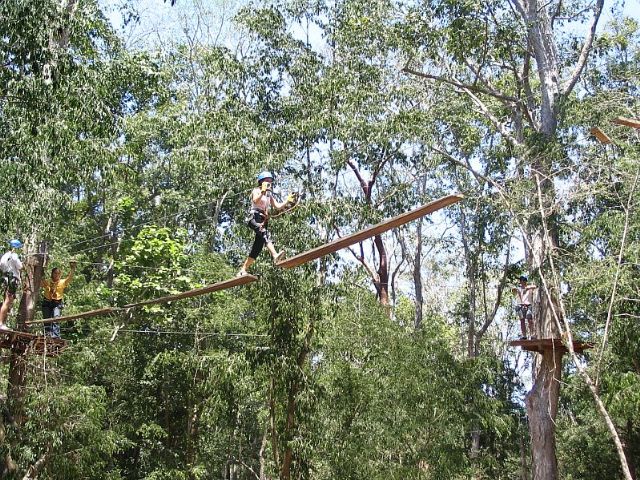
{"x":600,"y":135}
{"x":627,"y":122}
{"x":233,"y":282}
{"x":541,"y":344}
{"x":75,"y":316}
{"x":382,"y":227}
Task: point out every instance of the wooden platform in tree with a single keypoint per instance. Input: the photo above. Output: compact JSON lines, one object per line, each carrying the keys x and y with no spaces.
{"x":541,"y":344}
{"x":627,"y":122}
{"x":601,"y":136}
{"x":29,"y":343}
{"x":361,"y":235}
{"x":234,"y":282}
{"x":75,"y":316}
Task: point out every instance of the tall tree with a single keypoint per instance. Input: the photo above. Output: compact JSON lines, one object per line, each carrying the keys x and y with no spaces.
{"x":512,"y":62}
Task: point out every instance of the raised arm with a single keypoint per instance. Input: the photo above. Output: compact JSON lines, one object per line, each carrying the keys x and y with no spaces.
{"x":72,"y":269}
{"x":277,"y":205}
{"x":290,"y":200}
{"x":257,"y":194}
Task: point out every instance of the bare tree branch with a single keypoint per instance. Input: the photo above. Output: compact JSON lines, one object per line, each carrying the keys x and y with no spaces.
{"x":35,"y":469}
{"x":519,"y":7}
{"x":496,"y":123}
{"x":356,"y":171}
{"x":528,"y":92}
{"x":556,"y":14}
{"x":378,"y":168}
{"x":586,"y":49}
{"x":360,"y":258}
{"x":503,"y":282}
{"x":488,"y":91}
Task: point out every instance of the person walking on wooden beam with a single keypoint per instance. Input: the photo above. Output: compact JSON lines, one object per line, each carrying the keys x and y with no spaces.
{"x":10,"y":266}
{"x":524,"y":296}
{"x":262,"y":201}
{"x":52,"y":304}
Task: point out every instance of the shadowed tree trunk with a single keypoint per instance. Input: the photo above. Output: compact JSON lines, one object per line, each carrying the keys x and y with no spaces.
{"x":542,"y":407}
{"x":16,"y":389}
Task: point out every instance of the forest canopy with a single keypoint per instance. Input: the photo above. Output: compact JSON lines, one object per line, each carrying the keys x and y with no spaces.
{"x":131,"y":137}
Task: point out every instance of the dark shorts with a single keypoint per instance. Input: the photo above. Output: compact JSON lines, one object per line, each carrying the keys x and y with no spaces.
{"x":10,"y":283}
{"x":262,"y":234}
{"x":524,"y":311}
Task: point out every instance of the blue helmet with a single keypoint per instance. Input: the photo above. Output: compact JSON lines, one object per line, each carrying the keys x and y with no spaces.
{"x":264,"y":175}
{"x":15,"y":243}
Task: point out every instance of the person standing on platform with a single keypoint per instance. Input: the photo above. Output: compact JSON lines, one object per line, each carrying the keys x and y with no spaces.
{"x":10,"y":267}
{"x":52,"y":304}
{"x":524,"y":297}
{"x":261,"y":203}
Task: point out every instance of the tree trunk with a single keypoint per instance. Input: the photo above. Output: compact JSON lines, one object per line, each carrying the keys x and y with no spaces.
{"x":628,"y":447}
{"x":16,"y":389}
{"x":542,"y":400}
{"x":542,"y":407}
{"x":471,"y":270}
{"x":58,"y":41}
{"x":382,"y":286}
{"x":26,"y":312}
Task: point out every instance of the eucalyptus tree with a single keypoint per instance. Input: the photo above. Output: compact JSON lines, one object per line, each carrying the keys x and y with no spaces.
{"x":518,"y":63}
{"x":601,"y":238}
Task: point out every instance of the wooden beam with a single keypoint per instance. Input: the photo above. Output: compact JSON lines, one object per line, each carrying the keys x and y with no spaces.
{"x":600,"y":135}
{"x":394,"y":222}
{"x":541,"y":344}
{"x":234,"y":282}
{"x":627,"y":122}
{"x":75,"y":316}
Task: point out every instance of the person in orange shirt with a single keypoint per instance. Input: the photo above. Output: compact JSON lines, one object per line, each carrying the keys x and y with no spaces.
{"x":52,"y":304}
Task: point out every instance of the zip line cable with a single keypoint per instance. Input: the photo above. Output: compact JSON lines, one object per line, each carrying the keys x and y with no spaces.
{"x":204,"y":334}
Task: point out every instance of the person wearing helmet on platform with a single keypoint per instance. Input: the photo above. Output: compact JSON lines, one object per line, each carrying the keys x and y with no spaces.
{"x":10,"y":267}
{"x":262,"y":201}
{"x":524,"y":293}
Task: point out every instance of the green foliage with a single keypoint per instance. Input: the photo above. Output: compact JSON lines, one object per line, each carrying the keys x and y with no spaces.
{"x":153,"y":265}
{"x":139,"y":164}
